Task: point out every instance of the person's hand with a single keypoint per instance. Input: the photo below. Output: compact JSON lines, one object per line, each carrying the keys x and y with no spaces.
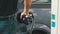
{"x":24,"y":14}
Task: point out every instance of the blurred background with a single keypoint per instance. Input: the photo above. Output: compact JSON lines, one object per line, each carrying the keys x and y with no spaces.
{"x":42,"y":10}
{"x":38,"y":4}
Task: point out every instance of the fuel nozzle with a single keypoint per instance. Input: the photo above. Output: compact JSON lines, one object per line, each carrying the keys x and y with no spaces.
{"x":25,"y":19}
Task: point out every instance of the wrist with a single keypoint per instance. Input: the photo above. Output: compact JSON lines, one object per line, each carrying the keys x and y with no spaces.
{"x":27,"y":12}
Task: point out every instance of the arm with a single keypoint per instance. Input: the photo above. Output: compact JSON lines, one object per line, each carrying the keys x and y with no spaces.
{"x":27,"y":5}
